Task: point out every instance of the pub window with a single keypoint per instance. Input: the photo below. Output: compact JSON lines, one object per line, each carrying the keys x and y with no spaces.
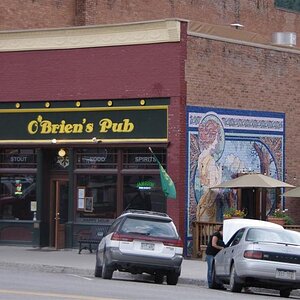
{"x":97,"y":196}
{"x":17,"y":197}
{"x":96,"y":158}
{"x":143,"y":192}
{"x":143,"y":158}
{"x":18,"y":158}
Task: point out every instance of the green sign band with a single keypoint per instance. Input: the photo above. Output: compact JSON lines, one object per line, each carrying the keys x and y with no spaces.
{"x":96,"y":124}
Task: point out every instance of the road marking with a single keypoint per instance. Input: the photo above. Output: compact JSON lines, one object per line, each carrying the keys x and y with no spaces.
{"x":78,"y":276}
{"x":54,"y":295}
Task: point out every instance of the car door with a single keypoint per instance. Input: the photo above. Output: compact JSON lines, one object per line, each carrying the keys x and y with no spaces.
{"x":231,"y":251}
{"x":220,"y":258}
{"x":105,"y":240}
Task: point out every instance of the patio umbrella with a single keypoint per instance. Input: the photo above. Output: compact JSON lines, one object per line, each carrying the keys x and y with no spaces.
{"x":254,"y":180}
{"x":292,"y":193}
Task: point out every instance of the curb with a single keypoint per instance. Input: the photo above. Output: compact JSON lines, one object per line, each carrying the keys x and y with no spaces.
{"x":117,"y":275}
{"x":88,"y":272}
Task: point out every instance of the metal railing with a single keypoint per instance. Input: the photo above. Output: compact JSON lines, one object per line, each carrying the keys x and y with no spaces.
{"x":292,"y":227}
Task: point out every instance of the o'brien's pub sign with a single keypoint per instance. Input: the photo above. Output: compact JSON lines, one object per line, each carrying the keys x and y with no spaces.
{"x":87,"y":120}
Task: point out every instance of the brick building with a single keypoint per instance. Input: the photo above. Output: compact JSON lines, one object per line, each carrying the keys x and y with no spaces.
{"x":259,"y":16}
{"x":231,"y":97}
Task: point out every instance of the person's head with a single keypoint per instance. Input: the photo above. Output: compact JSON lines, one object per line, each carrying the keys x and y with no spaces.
{"x":220,"y":229}
{"x":209,"y":135}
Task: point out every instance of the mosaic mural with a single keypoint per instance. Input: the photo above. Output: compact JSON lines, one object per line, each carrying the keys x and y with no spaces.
{"x":222,"y":144}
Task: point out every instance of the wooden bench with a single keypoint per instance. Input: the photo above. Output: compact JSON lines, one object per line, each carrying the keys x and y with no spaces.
{"x":86,"y":239}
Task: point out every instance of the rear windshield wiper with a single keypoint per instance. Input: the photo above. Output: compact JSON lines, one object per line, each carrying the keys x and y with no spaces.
{"x":141,"y":233}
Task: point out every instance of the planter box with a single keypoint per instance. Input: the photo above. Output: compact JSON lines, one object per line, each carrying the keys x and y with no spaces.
{"x":279,"y":221}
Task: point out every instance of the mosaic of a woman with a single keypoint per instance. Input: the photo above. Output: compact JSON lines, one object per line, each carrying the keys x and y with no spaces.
{"x":211,"y":144}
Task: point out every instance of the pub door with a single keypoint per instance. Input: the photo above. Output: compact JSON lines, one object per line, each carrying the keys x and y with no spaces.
{"x":58,"y":211}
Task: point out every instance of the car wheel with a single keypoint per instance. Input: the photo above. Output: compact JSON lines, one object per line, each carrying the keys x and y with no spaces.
{"x":172,"y":278}
{"x":234,"y":286}
{"x":107,"y":271}
{"x":158,"y":278}
{"x":98,"y":270}
{"x":285,"y":293}
{"x":214,"y":283}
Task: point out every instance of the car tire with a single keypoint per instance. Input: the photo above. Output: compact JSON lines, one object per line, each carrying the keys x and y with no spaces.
{"x":98,"y":271}
{"x":158,"y":278}
{"x":285,"y":293}
{"x":172,"y":278}
{"x":214,"y":283}
{"x":107,"y":271}
{"x":234,"y":286}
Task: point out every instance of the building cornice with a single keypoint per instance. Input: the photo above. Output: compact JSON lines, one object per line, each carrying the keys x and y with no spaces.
{"x":245,"y":43}
{"x":161,"y":31}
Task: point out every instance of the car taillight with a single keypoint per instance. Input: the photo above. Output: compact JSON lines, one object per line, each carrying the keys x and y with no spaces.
{"x":173,"y":243}
{"x":253,"y":254}
{"x":121,"y":237}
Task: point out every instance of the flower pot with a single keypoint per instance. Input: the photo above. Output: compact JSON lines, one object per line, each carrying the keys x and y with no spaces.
{"x":279,"y":221}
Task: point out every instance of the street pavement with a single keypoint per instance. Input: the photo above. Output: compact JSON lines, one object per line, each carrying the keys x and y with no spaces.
{"x":193,"y":271}
{"x":69,"y":261}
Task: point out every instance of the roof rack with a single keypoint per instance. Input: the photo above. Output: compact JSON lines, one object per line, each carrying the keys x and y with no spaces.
{"x":148,"y":212}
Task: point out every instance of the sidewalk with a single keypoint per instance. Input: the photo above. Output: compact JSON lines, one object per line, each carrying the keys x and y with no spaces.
{"x":69,"y":261}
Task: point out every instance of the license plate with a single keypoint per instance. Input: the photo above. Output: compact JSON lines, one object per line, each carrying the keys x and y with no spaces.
{"x":286,"y":274}
{"x":147,"y":246}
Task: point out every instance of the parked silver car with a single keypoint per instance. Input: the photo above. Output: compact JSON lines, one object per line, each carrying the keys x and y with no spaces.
{"x":141,"y":242}
{"x":260,"y":257}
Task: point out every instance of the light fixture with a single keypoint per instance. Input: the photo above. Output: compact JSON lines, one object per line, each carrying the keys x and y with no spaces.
{"x":95,"y":140}
{"x":237,"y":25}
{"x":53,"y":141}
{"x":62,"y":152}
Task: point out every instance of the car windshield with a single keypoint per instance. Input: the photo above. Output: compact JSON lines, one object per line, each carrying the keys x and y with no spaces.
{"x":273,"y":236}
{"x":149,"y":227}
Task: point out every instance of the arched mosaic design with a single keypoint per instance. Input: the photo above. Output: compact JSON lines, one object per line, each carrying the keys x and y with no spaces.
{"x":222,"y":143}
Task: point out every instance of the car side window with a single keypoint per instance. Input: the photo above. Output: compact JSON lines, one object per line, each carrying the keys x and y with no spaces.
{"x":113,"y":226}
{"x":238,"y":237}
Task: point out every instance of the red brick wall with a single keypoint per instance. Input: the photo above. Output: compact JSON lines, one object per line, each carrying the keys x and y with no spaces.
{"x":20,"y":14}
{"x":95,"y":73}
{"x":142,"y":71}
{"x":227,"y":75}
{"x":258,"y":16}
{"x":177,"y":147}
